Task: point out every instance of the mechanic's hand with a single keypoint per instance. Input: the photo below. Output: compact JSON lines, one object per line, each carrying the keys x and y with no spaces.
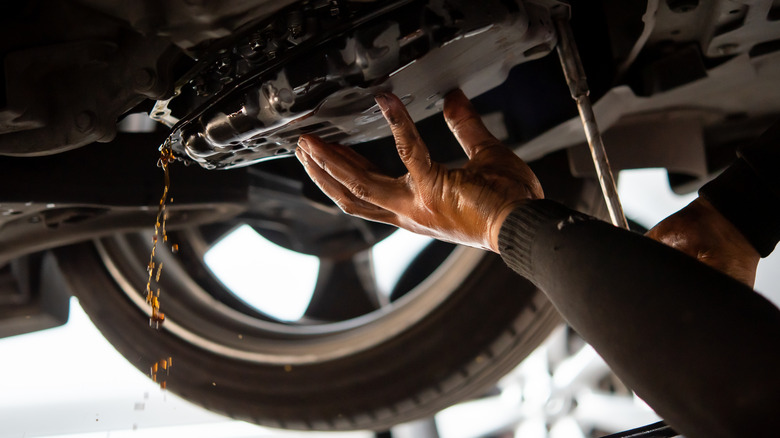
{"x":465,"y":206}
{"x":700,"y":231}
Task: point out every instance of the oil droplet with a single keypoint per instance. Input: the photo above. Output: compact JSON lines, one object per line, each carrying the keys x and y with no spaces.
{"x":156,"y":371}
{"x":175,"y":248}
{"x":159,"y":271}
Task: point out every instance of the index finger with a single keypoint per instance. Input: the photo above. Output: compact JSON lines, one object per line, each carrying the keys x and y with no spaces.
{"x":410,"y":146}
{"x":466,"y":124}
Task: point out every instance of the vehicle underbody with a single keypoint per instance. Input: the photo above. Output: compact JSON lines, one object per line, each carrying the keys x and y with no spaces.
{"x":93,"y":88}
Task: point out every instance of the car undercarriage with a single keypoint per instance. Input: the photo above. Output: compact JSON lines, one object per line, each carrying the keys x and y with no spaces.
{"x":93,"y":88}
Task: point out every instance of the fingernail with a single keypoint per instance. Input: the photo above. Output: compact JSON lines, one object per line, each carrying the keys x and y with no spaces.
{"x":381,"y":100}
{"x":302,"y":157}
{"x":303,"y":144}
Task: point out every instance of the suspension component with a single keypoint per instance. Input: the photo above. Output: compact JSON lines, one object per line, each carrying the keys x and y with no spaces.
{"x":578,"y":86}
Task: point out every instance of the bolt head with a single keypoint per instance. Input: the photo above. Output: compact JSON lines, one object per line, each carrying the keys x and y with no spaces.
{"x":728,"y":49}
{"x":143,"y":79}
{"x":256,"y":44}
{"x":85,"y":121}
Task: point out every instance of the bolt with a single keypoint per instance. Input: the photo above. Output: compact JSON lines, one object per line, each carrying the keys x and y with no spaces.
{"x":286,"y":96}
{"x":295,"y":23}
{"x":143,"y":79}
{"x":279,"y":99}
{"x":224,"y":65}
{"x":272,"y":49}
{"x":727,"y":49}
{"x":256,"y":43}
{"x":682,"y":6}
{"x":199,"y":85}
{"x":85,"y":121}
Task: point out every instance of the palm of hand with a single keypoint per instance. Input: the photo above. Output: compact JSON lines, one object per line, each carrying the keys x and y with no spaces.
{"x":464,"y":206}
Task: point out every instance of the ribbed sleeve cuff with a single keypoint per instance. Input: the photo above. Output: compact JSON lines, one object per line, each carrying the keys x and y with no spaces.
{"x":520,"y":228}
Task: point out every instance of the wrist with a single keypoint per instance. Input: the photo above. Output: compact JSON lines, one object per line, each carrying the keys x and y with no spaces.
{"x":498,"y":222}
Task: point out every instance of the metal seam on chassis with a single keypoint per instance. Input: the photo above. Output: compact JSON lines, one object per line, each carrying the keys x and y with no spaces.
{"x":242,"y":120}
{"x":392,"y":320}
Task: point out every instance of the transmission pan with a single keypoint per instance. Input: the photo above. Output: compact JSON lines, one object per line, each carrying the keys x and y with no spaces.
{"x":318,"y":75}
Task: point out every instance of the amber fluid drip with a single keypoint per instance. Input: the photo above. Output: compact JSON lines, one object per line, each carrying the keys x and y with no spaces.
{"x":154,"y":268}
{"x":160,"y":370}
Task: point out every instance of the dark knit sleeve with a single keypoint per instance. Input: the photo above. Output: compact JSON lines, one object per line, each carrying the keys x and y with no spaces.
{"x":748,"y":192}
{"x":668,"y":325}
{"x":520,"y":227}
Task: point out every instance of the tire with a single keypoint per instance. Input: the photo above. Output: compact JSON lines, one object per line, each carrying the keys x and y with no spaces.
{"x":457,"y":321}
{"x":457,"y":337}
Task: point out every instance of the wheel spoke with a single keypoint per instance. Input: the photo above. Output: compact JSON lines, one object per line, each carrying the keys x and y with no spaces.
{"x":566,"y":427}
{"x":581,"y":370}
{"x":612,"y":413}
{"x":532,"y":428}
{"x":557,"y":346}
{"x":345,"y":289}
{"x":485,"y":416}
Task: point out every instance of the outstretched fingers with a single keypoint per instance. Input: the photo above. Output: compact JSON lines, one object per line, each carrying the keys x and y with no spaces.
{"x":339,"y":170}
{"x":341,"y":196}
{"x":411,"y":148}
{"x":466,"y":124}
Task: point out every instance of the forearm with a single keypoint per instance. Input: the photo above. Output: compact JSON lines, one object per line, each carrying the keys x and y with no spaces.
{"x":700,"y":347}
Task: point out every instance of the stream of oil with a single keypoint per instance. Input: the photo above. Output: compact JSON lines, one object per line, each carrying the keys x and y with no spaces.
{"x":154,"y":268}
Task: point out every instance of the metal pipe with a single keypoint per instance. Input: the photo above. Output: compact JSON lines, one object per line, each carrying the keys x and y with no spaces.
{"x":578,"y":86}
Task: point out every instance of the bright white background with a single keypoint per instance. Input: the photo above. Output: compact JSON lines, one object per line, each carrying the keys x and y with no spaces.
{"x":69,"y":381}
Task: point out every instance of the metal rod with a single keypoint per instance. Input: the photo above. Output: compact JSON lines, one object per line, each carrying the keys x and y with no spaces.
{"x":578,"y":86}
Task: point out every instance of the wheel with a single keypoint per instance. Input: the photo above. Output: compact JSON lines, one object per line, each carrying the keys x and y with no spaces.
{"x":456,"y":321}
{"x":563,"y":389}
{"x":449,"y":338}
